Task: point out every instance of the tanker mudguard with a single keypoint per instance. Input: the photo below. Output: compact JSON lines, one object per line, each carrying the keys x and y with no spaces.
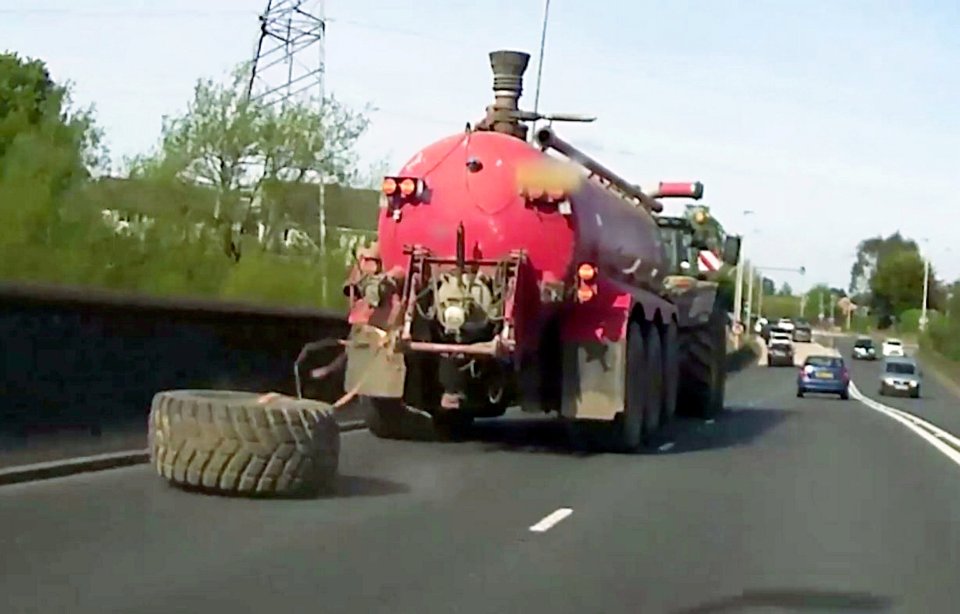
{"x":594,"y":336}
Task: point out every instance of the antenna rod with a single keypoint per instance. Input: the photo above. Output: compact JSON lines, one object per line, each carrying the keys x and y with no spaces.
{"x":543,"y":44}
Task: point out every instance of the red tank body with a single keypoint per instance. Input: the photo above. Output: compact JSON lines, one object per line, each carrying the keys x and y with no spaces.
{"x":621,"y":239}
{"x":506,"y":275}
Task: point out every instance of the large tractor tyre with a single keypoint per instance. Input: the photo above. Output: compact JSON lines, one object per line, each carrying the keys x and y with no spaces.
{"x":653,"y":393}
{"x":702,"y":367}
{"x":244,"y":443}
{"x":671,"y":371}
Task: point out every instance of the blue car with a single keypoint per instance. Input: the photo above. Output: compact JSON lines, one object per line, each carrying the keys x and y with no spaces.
{"x":824,"y":375}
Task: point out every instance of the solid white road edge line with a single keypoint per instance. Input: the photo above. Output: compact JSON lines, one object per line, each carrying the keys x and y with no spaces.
{"x":915,"y":424}
{"x":936,"y":430}
{"x":550,"y":520}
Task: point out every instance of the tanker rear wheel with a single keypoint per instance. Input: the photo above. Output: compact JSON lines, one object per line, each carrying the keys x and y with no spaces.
{"x":671,"y":371}
{"x":389,"y":418}
{"x":394,"y":419}
{"x":703,"y":353}
{"x":652,"y":397}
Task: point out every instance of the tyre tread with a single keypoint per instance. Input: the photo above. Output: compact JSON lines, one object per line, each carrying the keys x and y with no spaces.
{"x":236,"y":445}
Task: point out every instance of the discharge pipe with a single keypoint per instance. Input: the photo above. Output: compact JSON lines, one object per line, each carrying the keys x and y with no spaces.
{"x":548,"y":139}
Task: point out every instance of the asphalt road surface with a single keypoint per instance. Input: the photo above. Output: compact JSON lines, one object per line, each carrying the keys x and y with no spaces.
{"x":937,"y":404}
{"x":782,"y":504}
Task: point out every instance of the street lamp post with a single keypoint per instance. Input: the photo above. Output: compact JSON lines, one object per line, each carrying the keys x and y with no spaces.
{"x":926,"y":288}
{"x":738,"y":291}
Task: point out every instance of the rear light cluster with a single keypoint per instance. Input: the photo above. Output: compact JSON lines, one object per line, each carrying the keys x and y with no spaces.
{"x":399,"y":191}
{"x":586,"y":282}
{"x":404,"y":187}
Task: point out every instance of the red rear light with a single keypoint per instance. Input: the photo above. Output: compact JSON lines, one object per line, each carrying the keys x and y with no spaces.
{"x":678,"y":189}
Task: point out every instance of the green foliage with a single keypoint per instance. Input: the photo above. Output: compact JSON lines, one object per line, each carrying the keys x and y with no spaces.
{"x":785,"y":290}
{"x":869,"y":254}
{"x":775,"y":307}
{"x":170,"y":228}
{"x":897,"y":282}
{"x":909,"y":321}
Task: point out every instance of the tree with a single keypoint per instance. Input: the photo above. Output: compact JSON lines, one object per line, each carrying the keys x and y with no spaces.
{"x":46,"y":149}
{"x":768,"y":287}
{"x":869,"y":253}
{"x":786,"y":290}
{"x":897,"y":282}
{"x":238,"y":146}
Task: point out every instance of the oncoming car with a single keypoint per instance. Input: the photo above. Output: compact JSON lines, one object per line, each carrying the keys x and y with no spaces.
{"x":892,"y":347}
{"x":824,"y":375}
{"x":864,"y":349}
{"x":802,"y":333}
{"x":900,"y":375}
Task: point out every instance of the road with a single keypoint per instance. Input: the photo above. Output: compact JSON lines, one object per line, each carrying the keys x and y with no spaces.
{"x":812,"y":502}
{"x":937,"y":404}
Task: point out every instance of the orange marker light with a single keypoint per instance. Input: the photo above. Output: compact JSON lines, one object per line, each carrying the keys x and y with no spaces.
{"x":408,"y":186}
{"x":586,"y":272}
{"x":389,"y":186}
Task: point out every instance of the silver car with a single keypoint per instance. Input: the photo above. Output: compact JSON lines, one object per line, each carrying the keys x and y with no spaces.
{"x":900,"y":375}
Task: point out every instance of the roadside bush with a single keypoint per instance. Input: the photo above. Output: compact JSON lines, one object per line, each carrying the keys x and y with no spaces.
{"x":295,"y":280}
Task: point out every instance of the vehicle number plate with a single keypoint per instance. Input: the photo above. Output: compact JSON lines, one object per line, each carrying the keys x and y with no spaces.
{"x":825,"y":375}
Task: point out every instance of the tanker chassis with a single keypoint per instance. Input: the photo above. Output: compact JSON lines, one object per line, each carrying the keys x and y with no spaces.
{"x":505,"y":276}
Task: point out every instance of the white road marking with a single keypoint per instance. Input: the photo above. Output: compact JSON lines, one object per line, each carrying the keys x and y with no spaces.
{"x":931,"y":433}
{"x":711,"y":421}
{"x":550,"y":520}
{"x":666,"y":446}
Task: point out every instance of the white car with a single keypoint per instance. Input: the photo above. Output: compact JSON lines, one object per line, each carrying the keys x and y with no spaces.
{"x":892,"y":347}
{"x":786,"y":324}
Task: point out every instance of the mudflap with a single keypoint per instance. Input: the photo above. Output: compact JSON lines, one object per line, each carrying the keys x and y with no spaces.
{"x":593,"y":379}
{"x":374,"y":368}
{"x":694,"y":300}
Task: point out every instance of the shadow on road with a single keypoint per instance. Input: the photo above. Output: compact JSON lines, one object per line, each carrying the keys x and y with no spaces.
{"x":345,"y":487}
{"x":737,"y":426}
{"x":348,"y":486}
{"x":794,"y":600}
{"x":532,"y":435}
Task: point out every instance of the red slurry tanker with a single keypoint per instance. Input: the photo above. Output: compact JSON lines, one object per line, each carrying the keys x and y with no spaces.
{"x":505,"y":274}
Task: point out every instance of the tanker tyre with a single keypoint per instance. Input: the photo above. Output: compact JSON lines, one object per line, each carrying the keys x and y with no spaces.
{"x":243,"y":443}
{"x":671,"y":371}
{"x":652,"y":393}
{"x":389,"y":418}
{"x":451,"y":425}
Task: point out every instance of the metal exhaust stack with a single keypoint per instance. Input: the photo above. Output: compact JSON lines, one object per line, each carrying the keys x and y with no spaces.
{"x":508,"y":68}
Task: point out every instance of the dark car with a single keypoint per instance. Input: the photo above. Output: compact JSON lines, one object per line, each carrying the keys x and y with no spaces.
{"x":864,"y":349}
{"x":824,"y":375}
{"x":802,"y":333}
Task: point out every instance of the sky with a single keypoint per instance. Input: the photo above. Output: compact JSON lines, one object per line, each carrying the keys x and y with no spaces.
{"x":832,"y":121}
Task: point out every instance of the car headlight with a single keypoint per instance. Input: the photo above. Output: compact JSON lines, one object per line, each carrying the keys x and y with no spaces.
{"x":888,"y":381}
{"x":913,"y":384}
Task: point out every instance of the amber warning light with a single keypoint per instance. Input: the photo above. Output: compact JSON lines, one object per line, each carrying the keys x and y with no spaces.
{"x":403,"y":186}
{"x":586,"y":282}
